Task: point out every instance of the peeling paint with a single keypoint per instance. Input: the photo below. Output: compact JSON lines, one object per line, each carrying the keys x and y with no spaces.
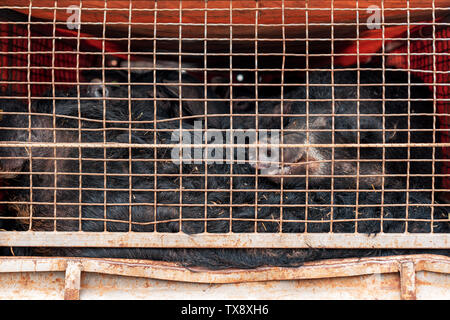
{"x":89,"y":278}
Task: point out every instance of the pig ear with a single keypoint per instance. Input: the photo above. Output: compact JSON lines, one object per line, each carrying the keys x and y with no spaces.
{"x":346,"y":167}
{"x":9,"y":167}
{"x":173,"y":89}
{"x":277,"y":109}
{"x":390,"y":135}
{"x":192,"y":92}
{"x":220,"y":91}
{"x":320,"y":122}
{"x":287,"y":107}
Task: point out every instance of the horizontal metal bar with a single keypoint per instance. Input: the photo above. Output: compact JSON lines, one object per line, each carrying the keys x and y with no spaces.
{"x":224,"y":39}
{"x":215,"y":145}
{"x":173,"y":272}
{"x":227,"y":190}
{"x":199,"y":69}
{"x":253,"y":8}
{"x":109,"y":160}
{"x":220,"y":205}
{"x":224,"y":240}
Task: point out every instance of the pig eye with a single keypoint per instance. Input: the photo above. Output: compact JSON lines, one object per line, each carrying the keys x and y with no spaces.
{"x":98,"y":91}
{"x":240,"y":77}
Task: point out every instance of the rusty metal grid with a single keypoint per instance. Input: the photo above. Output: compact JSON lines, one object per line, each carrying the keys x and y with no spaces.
{"x":300,"y":217}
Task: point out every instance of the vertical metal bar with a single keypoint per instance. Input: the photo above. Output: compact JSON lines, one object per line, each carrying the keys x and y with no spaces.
{"x":180,"y":107}
{"x":55,"y":173}
{"x":256,"y":106}
{"x":408,"y":163}
{"x":205,"y":93}
{"x":383,"y":77}
{"x":433,"y":155}
{"x":80,"y":163}
{"x":72,"y":280}
{"x":307,"y":112}
{"x":104,"y":116}
{"x":407,"y":280}
{"x":130,"y":118}
{"x":283,"y":65}
{"x":30,"y":150}
{"x":358,"y":117}
{"x":231,"y":154}
{"x":155,"y":106}
{"x":333,"y":118}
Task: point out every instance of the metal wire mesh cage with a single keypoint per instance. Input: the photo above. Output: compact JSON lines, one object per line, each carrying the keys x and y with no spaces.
{"x":287,"y":126}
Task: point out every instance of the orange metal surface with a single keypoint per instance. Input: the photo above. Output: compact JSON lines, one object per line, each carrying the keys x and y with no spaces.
{"x":271,"y":17}
{"x":395,"y":277}
{"x":193,"y":11}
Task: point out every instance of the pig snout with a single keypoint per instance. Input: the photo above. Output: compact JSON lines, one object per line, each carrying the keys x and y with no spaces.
{"x":276,"y":161}
{"x":97,"y":89}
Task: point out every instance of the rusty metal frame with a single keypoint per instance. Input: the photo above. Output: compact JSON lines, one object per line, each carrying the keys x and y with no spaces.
{"x":229,"y":240}
{"x":407,"y":267}
{"x":224,"y":240}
